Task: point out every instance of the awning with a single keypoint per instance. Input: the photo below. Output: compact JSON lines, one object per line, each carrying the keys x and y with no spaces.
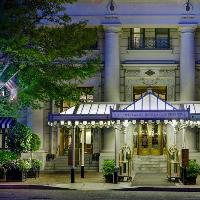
{"x":6,"y":122}
{"x":149,"y":107}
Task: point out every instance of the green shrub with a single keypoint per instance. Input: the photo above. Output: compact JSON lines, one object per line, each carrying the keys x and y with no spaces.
{"x":108,"y":167}
{"x":19,"y":138}
{"x":36,"y":163}
{"x":193,"y":168}
{"x":35,"y":142}
{"x":6,"y":156}
{"x":23,"y":165}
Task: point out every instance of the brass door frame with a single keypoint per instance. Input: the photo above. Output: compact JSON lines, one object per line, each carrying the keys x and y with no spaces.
{"x":150,"y":140}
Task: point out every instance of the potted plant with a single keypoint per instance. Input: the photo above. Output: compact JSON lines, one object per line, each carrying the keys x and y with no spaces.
{"x":16,"y":169}
{"x":35,"y":143}
{"x":34,"y":171}
{"x":108,"y":169}
{"x":5,"y":156}
{"x":2,"y":174}
{"x":192,"y":171}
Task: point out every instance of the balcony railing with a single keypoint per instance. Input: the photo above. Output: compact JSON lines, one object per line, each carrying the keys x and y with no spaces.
{"x":149,"y":43}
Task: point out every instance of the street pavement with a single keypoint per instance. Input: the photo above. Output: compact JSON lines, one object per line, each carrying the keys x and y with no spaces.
{"x":95,"y":181}
{"x":53,"y":194}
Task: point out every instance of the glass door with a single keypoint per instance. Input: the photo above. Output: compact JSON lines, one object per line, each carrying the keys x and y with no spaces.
{"x":143,"y":140}
{"x":157,"y":139}
{"x":150,"y":139}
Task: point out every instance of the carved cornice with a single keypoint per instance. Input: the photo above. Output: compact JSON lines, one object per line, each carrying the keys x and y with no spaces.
{"x":159,"y":78}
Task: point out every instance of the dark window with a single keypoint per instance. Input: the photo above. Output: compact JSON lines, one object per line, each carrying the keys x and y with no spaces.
{"x":162,"y":38}
{"x":149,"y":38}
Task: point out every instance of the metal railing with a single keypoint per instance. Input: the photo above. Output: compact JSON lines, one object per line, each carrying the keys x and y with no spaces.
{"x":149,"y":43}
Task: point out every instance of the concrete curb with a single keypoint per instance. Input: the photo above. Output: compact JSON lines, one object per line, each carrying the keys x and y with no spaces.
{"x":38,"y":187}
{"x":161,"y":189}
{"x":135,"y":188}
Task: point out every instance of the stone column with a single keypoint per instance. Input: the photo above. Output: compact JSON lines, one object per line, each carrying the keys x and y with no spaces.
{"x":171,"y":135}
{"x":183,"y":137}
{"x":111,"y":84}
{"x":112,"y":64}
{"x":187,"y":62}
{"x":125,"y":129}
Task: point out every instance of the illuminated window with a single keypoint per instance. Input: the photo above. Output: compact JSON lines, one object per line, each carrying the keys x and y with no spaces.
{"x":160,"y":91}
{"x":87,"y":94}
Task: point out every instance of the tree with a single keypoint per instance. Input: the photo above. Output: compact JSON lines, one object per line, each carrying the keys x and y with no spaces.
{"x":42,"y":45}
{"x":19,"y":139}
{"x":35,"y":142}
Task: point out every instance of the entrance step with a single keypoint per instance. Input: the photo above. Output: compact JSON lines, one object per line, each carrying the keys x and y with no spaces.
{"x":150,"y":164}
{"x":60,"y":163}
{"x":151,"y":179}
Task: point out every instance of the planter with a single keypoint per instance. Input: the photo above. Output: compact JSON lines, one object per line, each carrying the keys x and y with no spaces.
{"x":108,"y":169}
{"x":109,"y":178}
{"x":33,"y":173}
{"x":13,"y":175}
{"x":2,"y":174}
{"x":189,"y":180}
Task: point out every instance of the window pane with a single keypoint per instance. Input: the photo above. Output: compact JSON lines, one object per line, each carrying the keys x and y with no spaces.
{"x":138,"y":36}
{"x":162,"y":31}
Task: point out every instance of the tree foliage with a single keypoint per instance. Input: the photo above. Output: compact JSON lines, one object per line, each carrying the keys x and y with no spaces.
{"x":41,"y":43}
{"x":35,"y":142}
{"x":19,"y":138}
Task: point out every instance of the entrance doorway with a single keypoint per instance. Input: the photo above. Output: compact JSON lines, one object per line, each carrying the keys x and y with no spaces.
{"x":151,"y":139}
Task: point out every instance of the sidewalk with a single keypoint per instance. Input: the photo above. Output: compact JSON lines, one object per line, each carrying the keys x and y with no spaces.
{"x":95,"y":181}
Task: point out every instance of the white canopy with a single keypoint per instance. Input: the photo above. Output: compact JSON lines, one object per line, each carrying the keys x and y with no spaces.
{"x":148,"y":107}
{"x":148,"y":102}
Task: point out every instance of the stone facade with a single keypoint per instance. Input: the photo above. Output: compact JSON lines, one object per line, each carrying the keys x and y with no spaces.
{"x":177,"y":67}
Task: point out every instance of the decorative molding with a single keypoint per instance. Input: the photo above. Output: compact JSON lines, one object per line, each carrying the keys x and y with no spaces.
{"x":160,"y":78}
{"x":149,"y":72}
{"x":187,"y":28}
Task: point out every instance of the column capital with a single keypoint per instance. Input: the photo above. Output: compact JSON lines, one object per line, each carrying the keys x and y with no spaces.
{"x":112,"y":28}
{"x":187,"y":28}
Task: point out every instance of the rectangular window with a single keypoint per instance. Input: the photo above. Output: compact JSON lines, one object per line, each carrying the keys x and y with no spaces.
{"x":86,"y":97}
{"x":162,"y":38}
{"x":87,"y":94}
{"x":149,"y":38}
{"x":136,"y":38}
